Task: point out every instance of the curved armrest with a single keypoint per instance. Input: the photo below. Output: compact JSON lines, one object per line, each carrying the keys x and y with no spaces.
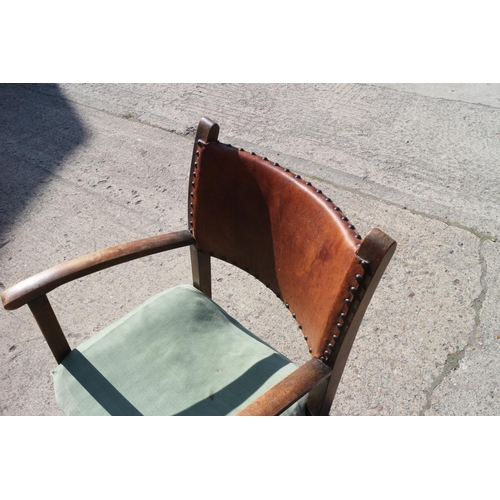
{"x":42,"y":283}
{"x":289,"y":390}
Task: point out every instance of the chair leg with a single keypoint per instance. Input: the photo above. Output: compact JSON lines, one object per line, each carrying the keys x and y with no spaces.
{"x":51,"y":330}
{"x":202,"y":273}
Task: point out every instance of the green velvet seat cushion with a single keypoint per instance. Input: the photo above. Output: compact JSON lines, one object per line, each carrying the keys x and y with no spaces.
{"x":176,"y":354}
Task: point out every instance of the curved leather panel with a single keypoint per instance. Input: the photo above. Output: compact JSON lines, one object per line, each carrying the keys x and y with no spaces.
{"x":262,"y":218}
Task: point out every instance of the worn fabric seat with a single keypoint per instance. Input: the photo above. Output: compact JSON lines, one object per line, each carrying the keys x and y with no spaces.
{"x":139,"y":364}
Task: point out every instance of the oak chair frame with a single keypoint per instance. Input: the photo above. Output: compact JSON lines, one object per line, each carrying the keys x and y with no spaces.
{"x":319,"y":377}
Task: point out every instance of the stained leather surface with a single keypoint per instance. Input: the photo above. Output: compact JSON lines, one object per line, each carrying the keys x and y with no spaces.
{"x":262,"y":218}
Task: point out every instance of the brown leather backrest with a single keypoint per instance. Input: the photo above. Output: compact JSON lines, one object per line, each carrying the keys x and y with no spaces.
{"x":279,"y":228}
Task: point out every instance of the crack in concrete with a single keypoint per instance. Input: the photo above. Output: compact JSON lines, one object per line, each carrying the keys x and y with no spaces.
{"x":453,"y":360}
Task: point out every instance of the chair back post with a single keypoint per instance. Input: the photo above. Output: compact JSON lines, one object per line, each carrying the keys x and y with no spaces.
{"x":200,"y":263}
{"x":375,"y":252}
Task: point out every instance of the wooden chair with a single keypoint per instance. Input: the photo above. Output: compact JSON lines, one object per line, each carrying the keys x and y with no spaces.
{"x":179,"y":353}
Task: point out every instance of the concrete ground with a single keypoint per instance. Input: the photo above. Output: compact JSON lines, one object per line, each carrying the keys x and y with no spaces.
{"x":88,"y":166}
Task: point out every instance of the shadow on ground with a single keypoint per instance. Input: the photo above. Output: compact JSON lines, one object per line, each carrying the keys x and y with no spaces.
{"x":37,"y":133}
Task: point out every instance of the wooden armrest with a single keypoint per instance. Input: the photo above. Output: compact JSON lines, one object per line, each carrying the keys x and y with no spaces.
{"x":42,"y":283}
{"x":289,"y":390}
